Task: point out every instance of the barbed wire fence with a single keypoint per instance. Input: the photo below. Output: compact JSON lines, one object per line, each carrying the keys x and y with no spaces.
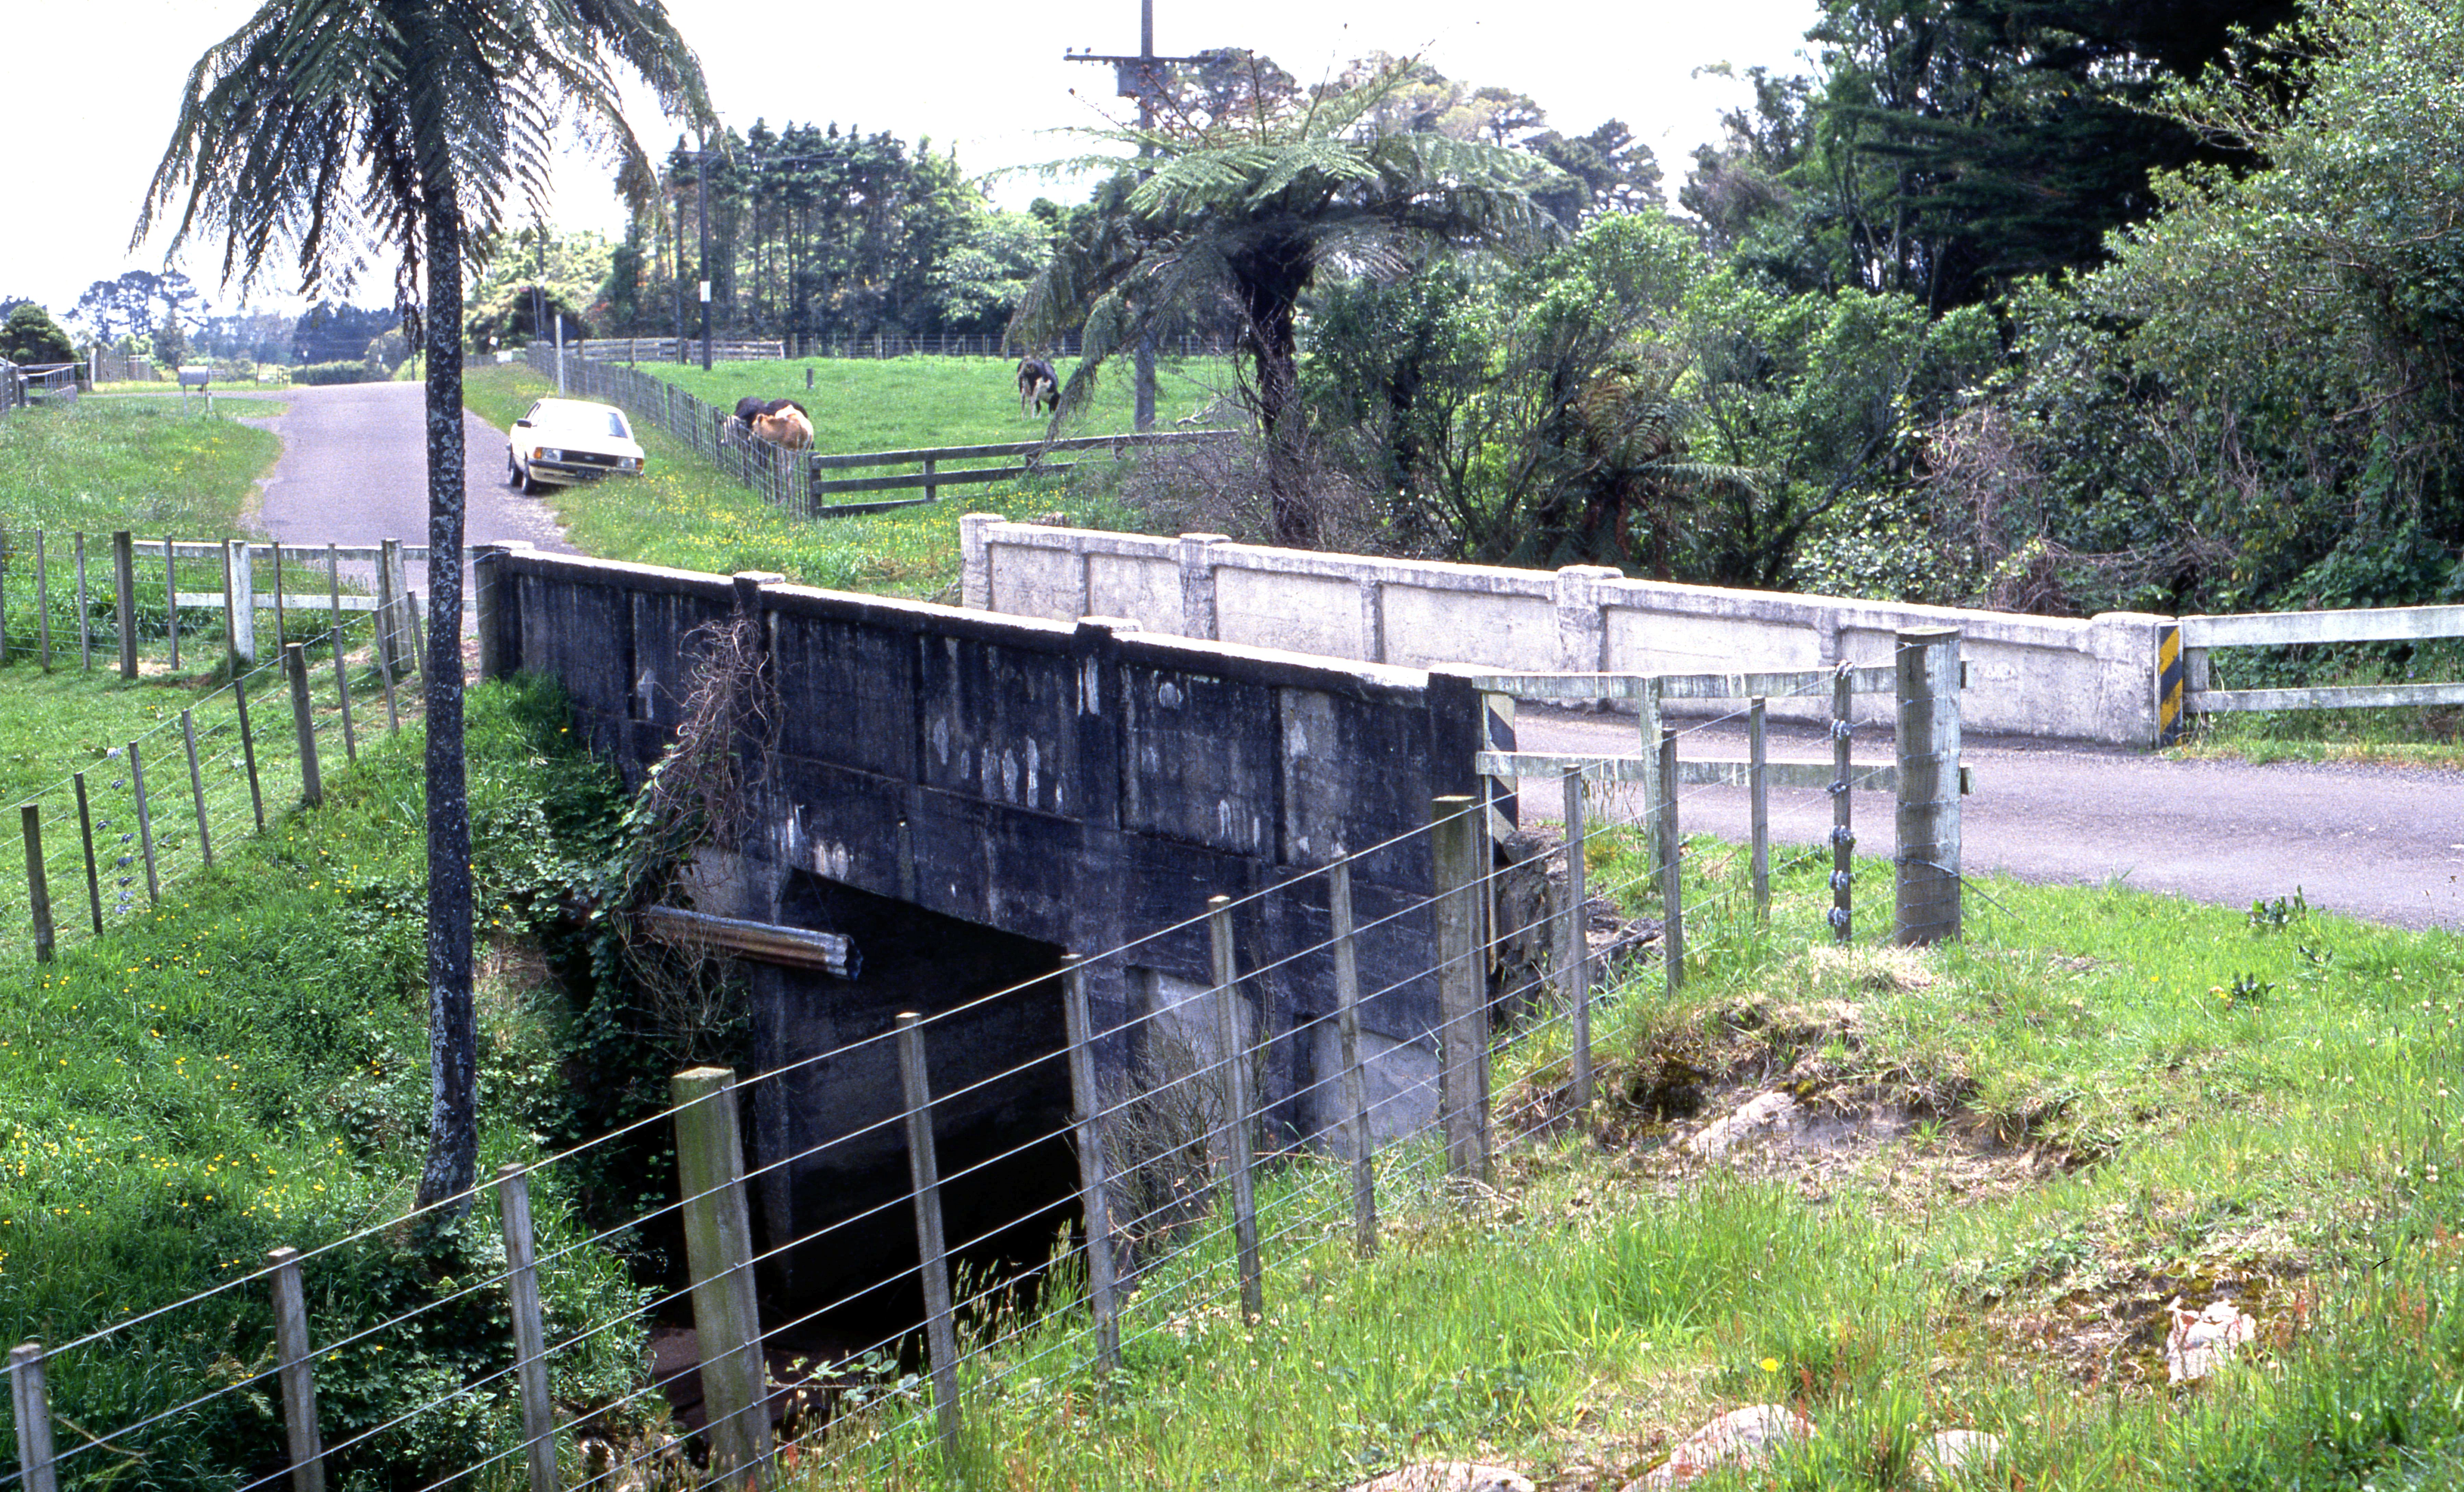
{"x":1270,"y":1180}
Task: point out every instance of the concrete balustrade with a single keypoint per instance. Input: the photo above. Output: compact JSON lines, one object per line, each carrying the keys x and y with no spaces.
{"x":2091,"y":679}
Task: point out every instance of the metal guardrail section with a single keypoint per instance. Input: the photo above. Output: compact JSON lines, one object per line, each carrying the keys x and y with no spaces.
{"x":1811,"y":775}
{"x":1681,"y":685}
{"x":2283,"y":628}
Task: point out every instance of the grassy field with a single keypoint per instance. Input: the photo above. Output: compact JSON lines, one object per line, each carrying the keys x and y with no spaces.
{"x":2099,"y":1105}
{"x":903,"y":404}
{"x":685,"y":512}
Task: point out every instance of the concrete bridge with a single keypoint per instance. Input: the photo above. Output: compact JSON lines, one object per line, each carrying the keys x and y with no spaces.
{"x":967,"y":797}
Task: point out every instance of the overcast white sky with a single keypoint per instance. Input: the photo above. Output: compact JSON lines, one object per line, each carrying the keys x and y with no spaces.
{"x":93,"y":94}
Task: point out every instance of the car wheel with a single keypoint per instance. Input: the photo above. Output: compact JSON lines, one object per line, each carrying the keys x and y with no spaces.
{"x":531,"y":486}
{"x":513,"y":472}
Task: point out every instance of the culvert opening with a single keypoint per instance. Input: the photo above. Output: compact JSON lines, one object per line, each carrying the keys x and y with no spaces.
{"x":834,"y":1194}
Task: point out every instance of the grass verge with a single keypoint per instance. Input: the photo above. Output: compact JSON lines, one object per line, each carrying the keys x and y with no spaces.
{"x":246,"y":1066}
{"x":2012,"y":1155}
{"x":685,"y":512}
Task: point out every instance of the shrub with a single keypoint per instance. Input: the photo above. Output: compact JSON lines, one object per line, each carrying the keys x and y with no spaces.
{"x":336,"y":373}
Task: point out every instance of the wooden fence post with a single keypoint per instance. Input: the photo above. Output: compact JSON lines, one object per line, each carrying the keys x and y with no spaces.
{"x":172,"y":599}
{"x":144,"y":823}
{"x":342,"y":696}
{"x":1925,"y":886}
{"x":297,"y":1357}
{"x":1573,"y":941}
{"x":38,"y":889}
{"x":123,"y":578}
{"x":239,"y":602}
{"x":1646,"y":708}
{"x":386,"y":639}
{"x":1454,"y":839}
{"x":719,"y":1250}
{"x":530,"y":1336}
{"x":42,"y":604}
{"x":85,"y":834}
{"x":1356,"y":1142}
{"x":197,"y":788}
{"x":1843,"y":838}
{"x":248,"y":753}
{"x":1240,"y":1145}
{"x":932,"y":1247}
{"x":1672,"y":868}
{"x":281,"y":626}
{"x":33,"y":1411}
{"x":1758,"y":804}
{"x":1094,"y":1199}
{"x":312,"y":786}
{"x":85,"y":614}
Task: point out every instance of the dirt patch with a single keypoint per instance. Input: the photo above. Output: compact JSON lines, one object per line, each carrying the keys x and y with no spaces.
{"x":1787,"y":1091}
{"x":2110,"y":1327}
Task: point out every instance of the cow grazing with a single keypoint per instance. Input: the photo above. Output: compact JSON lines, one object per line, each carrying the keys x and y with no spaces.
{"x":1038,"y":387}
{"x":782,"y":422}
{"x":787,"y":426}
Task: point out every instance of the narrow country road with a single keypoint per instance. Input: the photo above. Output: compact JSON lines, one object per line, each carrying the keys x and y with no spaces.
{"x":354,"y":471}
{"x":2380,"y":843}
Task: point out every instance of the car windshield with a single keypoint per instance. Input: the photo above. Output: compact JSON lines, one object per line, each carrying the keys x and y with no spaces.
{"x":580,"y":420}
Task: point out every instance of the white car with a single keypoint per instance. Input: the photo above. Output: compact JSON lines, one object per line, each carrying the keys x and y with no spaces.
{"x":564,"y":441}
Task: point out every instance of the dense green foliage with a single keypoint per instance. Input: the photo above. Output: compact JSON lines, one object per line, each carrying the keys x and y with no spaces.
{"x":31,"y":338}
{"x":314,"y":373}
{"x":2054,"y":306}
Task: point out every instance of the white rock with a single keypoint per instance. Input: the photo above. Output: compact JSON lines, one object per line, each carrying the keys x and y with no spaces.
{"x":1741,"y":1437}
{"x":2202,"y":1340}
{"x":1951,"y":1455}
{"x":1447,"y":1476}
{"x":1759,"y":1120}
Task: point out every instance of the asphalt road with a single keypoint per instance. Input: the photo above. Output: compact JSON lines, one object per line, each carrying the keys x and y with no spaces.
{"x":354,"y":471}
{"x":2380,"y":843}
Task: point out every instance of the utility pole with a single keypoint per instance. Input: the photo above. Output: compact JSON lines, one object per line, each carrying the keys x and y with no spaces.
{"x":539,"y":284}
{"x":701,"y":192}
{"x":1141,"y":78}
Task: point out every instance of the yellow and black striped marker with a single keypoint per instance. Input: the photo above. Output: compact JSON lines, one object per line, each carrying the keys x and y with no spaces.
{"x":1497,"y":730}
{"x":2170,"y":674}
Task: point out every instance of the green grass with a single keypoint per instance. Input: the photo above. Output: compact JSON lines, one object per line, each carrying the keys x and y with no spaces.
{"x":133,"y":463}
{"x":2117,"y":1099}
{"x":907,"y":404}
{"x":97,"y":467}
{"x":246,"y":1066}
{"x":685,"y":512}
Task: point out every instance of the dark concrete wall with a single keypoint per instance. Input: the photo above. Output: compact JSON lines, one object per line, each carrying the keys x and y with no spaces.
{"x":1069,"y":787}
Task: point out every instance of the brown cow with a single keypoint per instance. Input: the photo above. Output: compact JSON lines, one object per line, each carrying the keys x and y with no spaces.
{"x":787,"y":427}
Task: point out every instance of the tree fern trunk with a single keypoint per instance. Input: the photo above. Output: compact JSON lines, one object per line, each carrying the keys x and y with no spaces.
{"x":452,"y":1038}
